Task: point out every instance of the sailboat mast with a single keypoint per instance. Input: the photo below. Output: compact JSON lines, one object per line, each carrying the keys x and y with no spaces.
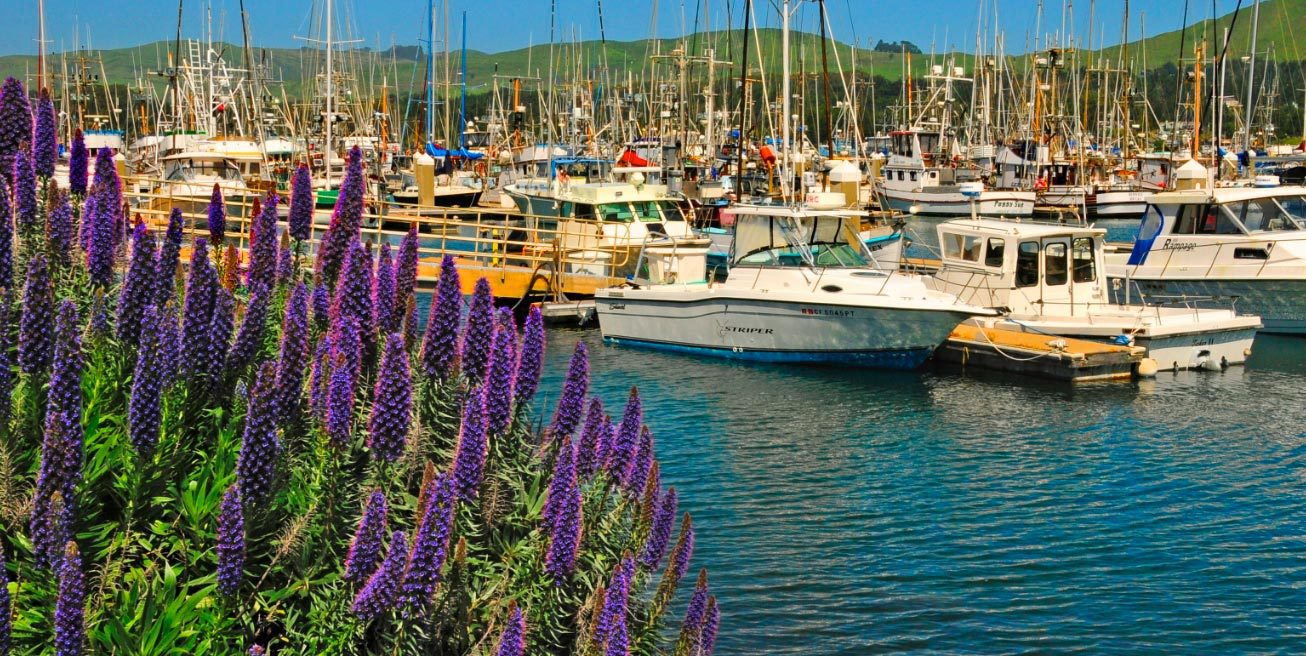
{"x":430,"y":73}
{"x":462,"y":100}
{"x":330,"y":93}
{"x":743,"y":102}
{"x":784,"y":100}
{"x":40,"y":46}
{"x":828,"y":98}
{"x":1251,"y":80}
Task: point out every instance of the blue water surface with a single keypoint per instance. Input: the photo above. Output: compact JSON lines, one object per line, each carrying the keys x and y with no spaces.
{"x":863,"y":512}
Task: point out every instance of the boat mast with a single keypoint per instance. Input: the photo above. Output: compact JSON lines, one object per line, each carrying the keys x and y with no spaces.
{"x":743,"y":103}
{"x":1251,"y":82}
{"x":785,"y":107}
{"x":462,"y":100}
{"x":40,"y":45}
{"x":330,"y":94}
{"x":430,"y":73}
{"x":828,"y":99}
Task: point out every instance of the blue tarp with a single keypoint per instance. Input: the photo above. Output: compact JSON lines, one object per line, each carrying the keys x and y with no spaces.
{"x":436,"y":151}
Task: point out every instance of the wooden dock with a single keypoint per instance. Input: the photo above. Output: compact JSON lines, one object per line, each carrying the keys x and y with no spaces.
{"x":1043,"y":356}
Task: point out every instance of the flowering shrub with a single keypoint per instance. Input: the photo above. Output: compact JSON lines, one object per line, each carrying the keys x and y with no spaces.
{"x":193,"y":466}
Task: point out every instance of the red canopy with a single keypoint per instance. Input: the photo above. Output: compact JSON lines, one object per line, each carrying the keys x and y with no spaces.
{"x":630,"y":158}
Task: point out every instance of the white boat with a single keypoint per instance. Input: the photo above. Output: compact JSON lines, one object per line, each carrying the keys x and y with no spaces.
{"x":802,"y":288}
{"x":1049,"y":279}
{"x":188,"y":180}
{"x":1242,"y":243}
{"x":923,"y":179}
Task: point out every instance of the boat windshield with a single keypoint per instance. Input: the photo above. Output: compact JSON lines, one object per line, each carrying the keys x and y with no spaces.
{"x":826,"y":241}
{"x":644,"y":211}
{"x":1270,"y":214}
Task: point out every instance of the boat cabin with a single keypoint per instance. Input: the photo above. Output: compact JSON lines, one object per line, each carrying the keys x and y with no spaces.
{"x":193,"y":166}
{"x":782,"y":236}
{"x":1027,"y":268}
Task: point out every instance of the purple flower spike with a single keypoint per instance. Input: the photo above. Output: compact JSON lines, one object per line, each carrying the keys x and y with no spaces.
{"x":691,"y":630}
{"x":256,"y":464}
{"x":317,"y":383}
{"x":70,"y":604}
{"x":144,"y":410}
{"x":7,"y":376}
{"x":301,"y":204}
{"x":383,"y":294}
{"x":512,"y":642}
{"x":137,"y":287}
{"x":345,"y":220}
{"x":382,"y":590}
{"x":365,"y":549}
{"x":406,"y":272}
{"x":499,"y":382}
{"x":6,"y":237}
{"x":217,"y":218}
{"x":285,"y":265}
{"x":53,"y":505}
{"x":35,"y":346}
{"x":469,"y":459}
{"x":712,"y":622}
{"x":169,"y":256}
{"x":293,"y":353}
{"x":562,"y":515}
{"x":45,"y":143}
{"x":197,"y":313}
{"x":78,"y":165}
{"x":430,"y":546}
{"x":231,"y":542}
{"x":250,"y":336}
{"x":62,"y":230}
{"x":392,"y":406}
{"x":589,"y":450}
{"x":219,"y":340}
{"x":25,"y":215}
{"x":353,"y":297}
{"x":256,"y":650}
{"x":610,"y":630}
{"x":106,"y":177}
{"x":678,"y":565}
{"x":440,"y":345}
{"x":625,"y":445}
{"x":15,"y":123}
{"x":479,"y":336}
{"x":321,"y":307}
{"x":343,"y":386}
{"x":641,"y":464}
{"x":97,"y":229}
{"x":263,"y":247}
{"x":659,"y":534}
{"x":571,"y":403}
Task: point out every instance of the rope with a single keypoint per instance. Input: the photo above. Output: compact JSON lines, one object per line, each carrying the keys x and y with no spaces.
{"x":1013,"y":358}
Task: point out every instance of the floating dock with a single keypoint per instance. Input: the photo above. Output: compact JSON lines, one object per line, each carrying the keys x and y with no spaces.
{"x":1044,"y":356}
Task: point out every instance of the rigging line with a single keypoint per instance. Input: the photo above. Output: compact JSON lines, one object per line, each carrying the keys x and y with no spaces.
{"x":603,"y":37}
{"x":1209,"y":101}
{"x":1179,"y":81}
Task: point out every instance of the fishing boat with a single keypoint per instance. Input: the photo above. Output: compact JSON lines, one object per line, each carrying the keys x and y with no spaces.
{"x":802,"y":288}
{"x":1049,"y":279}
{"x":921,"y":178}
{"x":585,"y":189}
{"x":189,"y":178}
{"x":1244,"y":243}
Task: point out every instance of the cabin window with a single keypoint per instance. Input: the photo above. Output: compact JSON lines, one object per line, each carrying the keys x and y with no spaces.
{"x":585,"y":211}
{"x":1265,"y":214}
{"x":1055,"y":264}
{"x":961,"y":247}
{"x":1250,"y":254}
{"x":1027,"y":264}
{"x":1188,"y":219}
{"x":913,"y":176}
{"x":670,"y":211}
{"x":616,"y":212}
{"x":1082,"y":256}
{"x":647,"y":211}
{"x":1216,"y":222}
{"x":993,"y":256}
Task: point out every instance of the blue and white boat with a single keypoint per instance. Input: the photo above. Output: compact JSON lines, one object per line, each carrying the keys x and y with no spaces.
{"x":802,"y":288}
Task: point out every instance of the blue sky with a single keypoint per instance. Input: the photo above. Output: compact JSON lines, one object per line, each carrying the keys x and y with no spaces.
{"x":496,"y":25}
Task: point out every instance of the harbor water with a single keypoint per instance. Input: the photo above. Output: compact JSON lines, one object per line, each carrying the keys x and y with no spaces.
{"x":862,"y":512}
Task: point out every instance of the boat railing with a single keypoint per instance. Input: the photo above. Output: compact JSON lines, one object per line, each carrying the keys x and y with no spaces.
{"x":492,"y":241}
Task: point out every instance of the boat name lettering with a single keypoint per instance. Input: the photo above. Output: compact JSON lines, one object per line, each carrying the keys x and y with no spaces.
{"x":1170,"y":244}
{"x":826,"y":312}
{"x":748,"y":331}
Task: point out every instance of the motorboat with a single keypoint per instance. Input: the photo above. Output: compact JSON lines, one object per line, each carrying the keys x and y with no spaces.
{"x":1049,"y":279}
{"x":922,"y":178}
{"x":1246,"y":243}
{"x":802,"y":287}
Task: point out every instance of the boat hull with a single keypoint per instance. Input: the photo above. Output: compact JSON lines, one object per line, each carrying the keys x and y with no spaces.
{"x":1281,"y":304}
{"x":769,"y":331}
{"x":991,"y":203}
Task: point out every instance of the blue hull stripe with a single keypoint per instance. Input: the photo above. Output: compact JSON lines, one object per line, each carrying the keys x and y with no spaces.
{"x":907,"y":359}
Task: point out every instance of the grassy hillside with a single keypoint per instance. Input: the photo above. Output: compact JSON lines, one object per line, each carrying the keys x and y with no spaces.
{"x":1282,"y":23}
